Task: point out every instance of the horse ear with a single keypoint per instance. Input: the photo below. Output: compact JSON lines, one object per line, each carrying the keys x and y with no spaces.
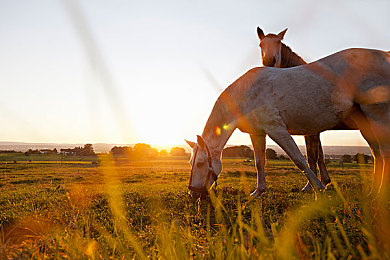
{"x":282,"y":33}
{"x":260,"y":33}
{"x":192,"y":144}
{"x":200,"y":141}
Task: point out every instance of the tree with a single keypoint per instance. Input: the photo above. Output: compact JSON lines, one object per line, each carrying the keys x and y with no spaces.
{"x":242,"y":151}
{"x":31,"y":151}
{"x":79,"y":151}
{"x":346,"y":158}
{"x":121,"y":150}
{"x":48,"y":151}
{"x":139,"y":151}
{"x":282,"y":157}
{"x":142,"y":150}
{"x":153,"y":153}
{"x":178,"y":151}
{"x":361,"y":158}
{"x":163,"y":153}
{"x":271,"y":154}
{"x":369,"y":158}
{"x":87,"y":150}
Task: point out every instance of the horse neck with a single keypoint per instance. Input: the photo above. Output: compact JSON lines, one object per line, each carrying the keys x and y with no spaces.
{"x":218,"y":129}
{"x":290,"y":58}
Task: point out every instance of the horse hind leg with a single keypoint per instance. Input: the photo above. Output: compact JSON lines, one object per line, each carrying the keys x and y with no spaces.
{"x":325,"y":179}
{"x":315,"y":155}
{"x":281,"y":136}
{"x":312,"y":142}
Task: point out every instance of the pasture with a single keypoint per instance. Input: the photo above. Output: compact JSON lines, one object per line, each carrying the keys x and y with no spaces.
{"x":115,"y":208}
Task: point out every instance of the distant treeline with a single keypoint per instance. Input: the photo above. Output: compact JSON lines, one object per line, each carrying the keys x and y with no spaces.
{"x":79,"y":151}
{"x":241,"y":151}
{"x":244,"y":151}
{"x":145,"y":151}
{"x":9,"y":151}
{"x":87,"y":150}
{"x":359,"y":158}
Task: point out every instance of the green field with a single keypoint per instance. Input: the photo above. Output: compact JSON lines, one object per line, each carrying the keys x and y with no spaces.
{"x":100,"y":208}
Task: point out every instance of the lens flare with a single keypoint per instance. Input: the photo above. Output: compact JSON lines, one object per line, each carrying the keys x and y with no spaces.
{"x":217,"y":130}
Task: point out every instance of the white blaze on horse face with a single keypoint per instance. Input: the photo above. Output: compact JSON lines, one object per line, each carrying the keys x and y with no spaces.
{"x":199,"y":167}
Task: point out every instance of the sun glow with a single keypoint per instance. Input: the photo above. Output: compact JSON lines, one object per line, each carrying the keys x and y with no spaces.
{"x":161,"y":120}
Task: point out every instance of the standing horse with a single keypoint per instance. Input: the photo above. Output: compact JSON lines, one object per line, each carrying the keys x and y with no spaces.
{"x":349,"y":87}
{"x":275,"y":53}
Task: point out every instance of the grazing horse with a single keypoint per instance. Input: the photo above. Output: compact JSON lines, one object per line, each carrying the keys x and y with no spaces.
{"x":349,"y":87}
{"x":275,"y":53}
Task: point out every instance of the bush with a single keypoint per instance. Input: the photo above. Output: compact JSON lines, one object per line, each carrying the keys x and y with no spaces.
{"x":241,"y":151}
{"x":362,"y":158}
{"x":178,"y":151}
{"x":346,"y":158}
{"x":271,"y":154}
{"x":121,"y":150}
{"x":163,"y":153}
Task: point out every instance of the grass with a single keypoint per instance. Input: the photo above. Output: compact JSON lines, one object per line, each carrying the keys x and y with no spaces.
{"x":140,"y":209}
{"x":21,"y":157}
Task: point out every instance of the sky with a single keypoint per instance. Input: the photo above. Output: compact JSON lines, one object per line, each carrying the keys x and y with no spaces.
{"x":150,"y":71}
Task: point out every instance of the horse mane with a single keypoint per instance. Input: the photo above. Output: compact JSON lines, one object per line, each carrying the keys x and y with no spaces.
{"x":290,"y":58}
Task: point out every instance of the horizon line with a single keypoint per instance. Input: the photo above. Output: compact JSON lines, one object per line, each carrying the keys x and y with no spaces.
{"x":114,"y":143}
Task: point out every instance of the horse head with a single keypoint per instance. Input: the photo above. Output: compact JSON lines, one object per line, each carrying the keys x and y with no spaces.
{"x":204,"y":168}
{"x":271,"y":47}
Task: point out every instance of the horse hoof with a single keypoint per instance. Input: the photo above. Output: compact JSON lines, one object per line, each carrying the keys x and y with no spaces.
{"x":329,"y":186}
{"x":257,"y":193}
{"x":326,"y":182}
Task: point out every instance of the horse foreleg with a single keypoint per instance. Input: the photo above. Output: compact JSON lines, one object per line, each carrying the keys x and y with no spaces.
{"x":281,"y":136}
{"x":378,"y":121}
{"x":367,"y":130}
{"x":258,"y":142}
{"x":381,"y":180}
{"x":378,"y":159}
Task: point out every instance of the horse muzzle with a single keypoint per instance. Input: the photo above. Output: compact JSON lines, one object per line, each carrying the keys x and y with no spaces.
{"x":197,"y":194}
{"x":270,"y":62}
